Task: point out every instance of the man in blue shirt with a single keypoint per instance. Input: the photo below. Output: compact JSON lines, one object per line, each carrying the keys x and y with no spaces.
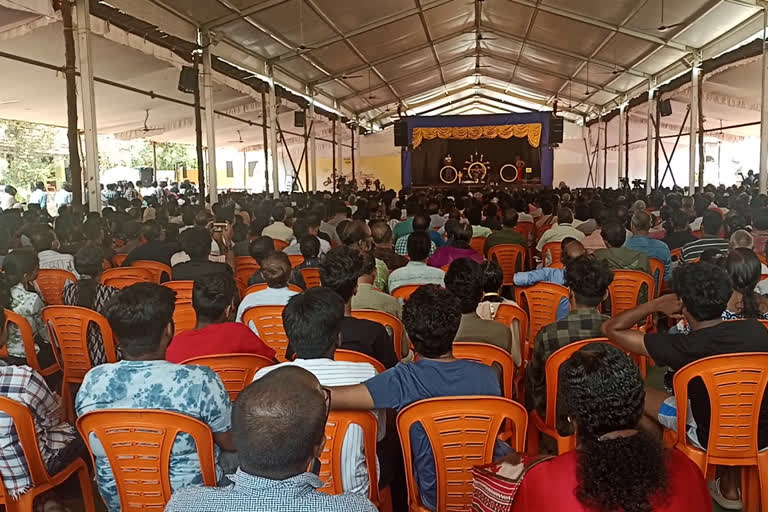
{"x":431,"y":317}
{"x":640,"y":241}
{"x":571,"y":249}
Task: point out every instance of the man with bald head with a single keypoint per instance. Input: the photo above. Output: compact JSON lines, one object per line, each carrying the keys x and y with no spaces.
{"x":571,"y":249}
{"x":640,"y":241}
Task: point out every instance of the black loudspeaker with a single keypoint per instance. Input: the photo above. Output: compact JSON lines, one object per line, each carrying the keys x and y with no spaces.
{"x":556,"y":130}
{"x":188,"y":80}
{"x":665,"y":108}
{"x":401,"y":133}
{"x":299,"y":118}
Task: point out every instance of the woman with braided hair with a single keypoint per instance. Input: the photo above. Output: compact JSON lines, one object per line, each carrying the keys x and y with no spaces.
{"x":616,"y":466}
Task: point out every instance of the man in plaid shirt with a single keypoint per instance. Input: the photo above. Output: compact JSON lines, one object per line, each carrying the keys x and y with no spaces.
{"x":588,"y":280}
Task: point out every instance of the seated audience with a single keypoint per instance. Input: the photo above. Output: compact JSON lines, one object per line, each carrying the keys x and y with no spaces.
{"x":587,"y":280}
{"x":678,"y":233}
{"x":340,"y":271}
{"x":356,"y":235}
{"x":310,"y":251}
{"x":459,"y":237}
{"x":276,"y":270}
{"x":711,"y":225}
{"x":743,"y":267}
{"x":258,"y":250}
{"x":313,"y":325}
{"x":278,"y":230}
{"x":563,"y":229}
{"x":617,"y":466}
{"x":640,"y":241}
{"x":367,"y":296}
{"x":507,"y":234}
{"x":278,"y":424}
{"x":306,"y":226}
{"x":702,"y":292}
{"x":760,"y":229}
{"x":213,"y":298}
{"x":616,"y":254}
{"x":154,"y":247}
{"x":420,"y":224}
{"x":130,"y":239}
{"x":405,"y":227}
{"x":89,"y":293}
{"x":431,"y":317}
{"x":416,"y":271}
{"x":141,"y":318}
{"x":571,"y":249}
{"x":382,"y":245}
{"x":196,"y":243}
{"x":43,"y":240}
{"x":474,"y":215}
{"x":493,"y":282}
{"x":594,"y":240}
{"x":465,"y":280}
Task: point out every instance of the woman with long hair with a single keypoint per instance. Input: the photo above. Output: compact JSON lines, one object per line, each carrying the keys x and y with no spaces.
{"x":743,"y":267}
{"x":616,"y":466}
{"x":89,"y":293}
{"x":459,"y":235}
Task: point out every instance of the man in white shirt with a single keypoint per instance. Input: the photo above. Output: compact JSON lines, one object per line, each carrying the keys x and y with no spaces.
{"x":276,"y":270}
{"x":39,"y":196}
{"x":417,"y":271}
{"x":309,"y":225}
{"x":278,"y":230}
{"x":563,"y":229}
{"x":43,"y":239}
{"x":7,"y":197}
{"x":63,"y":196}
{"x":312,"y":322}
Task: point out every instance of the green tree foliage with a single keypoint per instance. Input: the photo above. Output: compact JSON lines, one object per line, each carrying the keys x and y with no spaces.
{"x":28,"y":150}
{"x":169,"y":155}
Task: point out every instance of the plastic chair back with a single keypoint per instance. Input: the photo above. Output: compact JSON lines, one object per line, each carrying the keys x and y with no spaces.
{"x":295,"y":259}
{"x":269,"y":324}
{"x":625,"y":289}
{"x":245,"y":267}
{"x":555,"y":252}
{"x":138,"y":445}
{"x":184,"y":314}
{"x":28,"y":340}
{"x":404,"y":291}
{"x":183,"y":290}
{"x":352,"y":356}
{"x":263,"y":286}
{"x":657,"y":271}
{"x":510,"y":257}
{"x":477,"y":243}
{"x":488,"y":355}
{"x":118,"y":259}
{"x":676,"y":254}
{"x":235,"y":370}
{"x":391,"y":323}
{"x":157,"y":269}
{"x":507,"y":314}
{"x":525,"y":228}
{"x":279,"y":244}
{"x":122,"y":277}
{"x":51,"y":282}
{"x":542,"y":301}
{"x":461,"y":432}
{"x":557,"y":264}
{"x":311,"y":277}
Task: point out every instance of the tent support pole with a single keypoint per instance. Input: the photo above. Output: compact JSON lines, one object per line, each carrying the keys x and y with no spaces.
{"x":75,"y":168}
{"x":312,"y":143}
{"x":339,"y":147}
{"x":626,"y":146}
{"x":306,"y":151}
{"x":265,"y":136}
{"x":649,"y":143}
{"x":694,"y":129}
{"x":333,"y":156}
{"x":605,"y":154}
{"x":657,"y":142}
{"x":273,"y":131}
{"x":352,"y":149}
{"x":622,"y":135}
{"x":210,"y":127}
{"x":199,"y":132}
{"x":88,"y":101}
{"x":764,"y":109}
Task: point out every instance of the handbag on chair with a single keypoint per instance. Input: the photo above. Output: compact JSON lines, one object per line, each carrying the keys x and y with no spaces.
{"x":497,"y":483}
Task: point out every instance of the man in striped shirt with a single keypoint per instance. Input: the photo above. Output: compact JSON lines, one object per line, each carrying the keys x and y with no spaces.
{"x":711,"y":224}
{"x":312,"y":323}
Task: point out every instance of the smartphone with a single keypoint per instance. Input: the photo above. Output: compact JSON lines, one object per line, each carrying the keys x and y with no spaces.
{"x":219,"y":226}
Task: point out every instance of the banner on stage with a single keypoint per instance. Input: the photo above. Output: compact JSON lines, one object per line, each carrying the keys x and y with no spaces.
{"x":531,"y":130}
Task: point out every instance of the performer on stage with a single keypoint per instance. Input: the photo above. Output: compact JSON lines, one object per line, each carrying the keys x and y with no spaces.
{"x":520,"y":165}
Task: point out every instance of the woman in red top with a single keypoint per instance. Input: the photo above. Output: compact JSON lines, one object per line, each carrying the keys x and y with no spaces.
{"x":615,"y":467}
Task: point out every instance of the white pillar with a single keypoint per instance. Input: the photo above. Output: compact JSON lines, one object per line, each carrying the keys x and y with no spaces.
{"x":650,"y":143}
{"x":88,"y":101}
{"x":693,"y":146}
{"x":764,"y":110}
{"x":312,"y":142}
{"x":598,"y":154}
{"x":210,"y":129}
{"x":356,"y":150}
{"x":339,"y":154}
{"x":622,"y":133}
{"x":272,"y":106}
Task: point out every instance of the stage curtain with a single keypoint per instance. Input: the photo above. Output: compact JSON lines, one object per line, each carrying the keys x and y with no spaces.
{"x":507,"y":131}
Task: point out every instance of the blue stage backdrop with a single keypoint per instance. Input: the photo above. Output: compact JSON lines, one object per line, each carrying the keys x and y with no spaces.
{"x":542,"y":118}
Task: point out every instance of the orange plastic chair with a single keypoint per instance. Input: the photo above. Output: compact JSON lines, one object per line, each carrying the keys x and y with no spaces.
{"x":558,"y":264}
{"x":295,"y":259}
{"x":138,"y":445}
{"x":155,"y":268}
{"x":331,"y":459}
{"x":477,"y":243}
{"x":263,"y":286}
{"x":122,"y":277}
{"x":68,"y":329}
{"x":736,"y":385}
{"x":677,"y":254}
{"x":311,"y":277}
{"x":657,"y":271}
{"x":525,"y":228}
{"x":445,"y":268}
{"x":118,"y":259}
{"x":51,"y":282}
{"x":245,"y":267}
{"x":542,"y":300}
{"x":488,"y":355}
{"x":183,"y":290}
{"x":548,"y":425}
{"x":184,"y":315}
{"x":279,"y":244}
{"x":508,"y":313}
{"x":404,"y":291}
{"x":28,"y":339}
{"x":235,"y":370}
{"x":352,"y":356}
{"x":42,"y":481}
{"x":625,"y":289}
{"x":391,"y":323}
{"x":555,"y":253}
{"x":107,"y":264}
{"x":269,"y":324}
{"x":461,"y":432}
{"x":510,"y":257}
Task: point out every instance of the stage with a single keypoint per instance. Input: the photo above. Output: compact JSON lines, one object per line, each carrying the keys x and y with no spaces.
{"x":478,"y":151}
{"x":458,"y":190}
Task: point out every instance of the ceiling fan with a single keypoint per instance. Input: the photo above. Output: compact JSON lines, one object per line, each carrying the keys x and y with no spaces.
{"x":8,"y":102}
{"x":370,"y":96}
{"x":662,"y":27}
{"x":480,"y":37}
{"x":346,"y":76}
{"x":146,"y":129}
{"x":240,"y":139}
{"x":302,"y":47}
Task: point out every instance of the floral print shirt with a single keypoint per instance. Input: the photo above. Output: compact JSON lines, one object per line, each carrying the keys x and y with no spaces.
{"x":29,"y":305}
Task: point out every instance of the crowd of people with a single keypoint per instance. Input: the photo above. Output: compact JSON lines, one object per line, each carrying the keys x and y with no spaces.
{"x":365,"y":247}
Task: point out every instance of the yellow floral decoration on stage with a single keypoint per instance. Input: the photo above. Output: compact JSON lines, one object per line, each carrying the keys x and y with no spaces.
{"x":507,"y":131}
